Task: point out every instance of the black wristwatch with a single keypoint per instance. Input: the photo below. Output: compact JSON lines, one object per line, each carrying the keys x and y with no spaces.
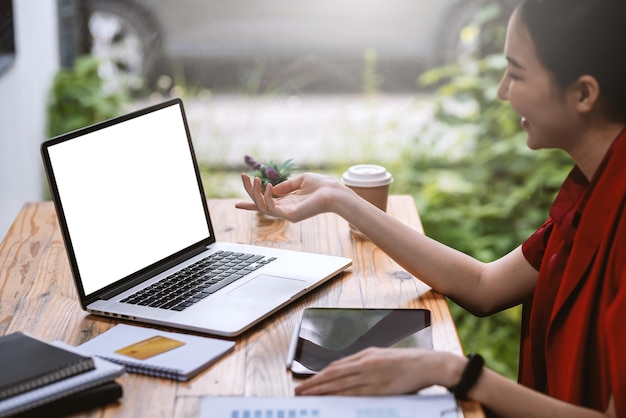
{"x":470,"y":375}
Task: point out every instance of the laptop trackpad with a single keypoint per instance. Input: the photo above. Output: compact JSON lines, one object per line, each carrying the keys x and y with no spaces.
{"x":268,"y":288}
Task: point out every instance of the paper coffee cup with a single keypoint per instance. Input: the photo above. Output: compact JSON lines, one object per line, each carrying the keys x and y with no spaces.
{"x":371,"y":182}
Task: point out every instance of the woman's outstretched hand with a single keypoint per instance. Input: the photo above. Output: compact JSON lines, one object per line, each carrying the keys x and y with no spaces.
{"x":294,"y":200}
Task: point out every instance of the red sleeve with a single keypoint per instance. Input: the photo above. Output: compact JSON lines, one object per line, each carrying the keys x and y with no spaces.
{"x":616,"y":337}
{"x":535,"y":246}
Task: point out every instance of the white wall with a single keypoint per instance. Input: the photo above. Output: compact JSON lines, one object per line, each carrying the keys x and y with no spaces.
{"x":23,"y":93}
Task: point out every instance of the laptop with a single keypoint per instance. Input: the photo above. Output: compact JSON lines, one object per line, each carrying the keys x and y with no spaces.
{"x":140,"y":239}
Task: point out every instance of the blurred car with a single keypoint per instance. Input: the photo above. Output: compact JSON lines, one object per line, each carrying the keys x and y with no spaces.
{"x":288,"y":44}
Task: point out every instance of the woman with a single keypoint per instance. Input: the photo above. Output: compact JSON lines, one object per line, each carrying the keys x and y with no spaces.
{"x":565,"y":78}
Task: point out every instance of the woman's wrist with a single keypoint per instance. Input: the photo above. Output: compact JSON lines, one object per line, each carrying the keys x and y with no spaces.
{"x":451,"y":369}
{"x":468,"y":377}
{"x":344,"y":201}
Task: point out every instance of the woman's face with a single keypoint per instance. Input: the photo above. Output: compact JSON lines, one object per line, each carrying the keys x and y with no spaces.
{"x":546,"y":112}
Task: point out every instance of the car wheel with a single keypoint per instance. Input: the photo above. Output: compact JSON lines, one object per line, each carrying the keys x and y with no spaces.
{"x":125,"y":41}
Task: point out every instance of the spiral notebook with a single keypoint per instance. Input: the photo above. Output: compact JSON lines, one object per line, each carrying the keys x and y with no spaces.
{"x":103,"y":372}
{"x":97,"y":396}
{"x":27,"y":363}
{"x":170,"y":355}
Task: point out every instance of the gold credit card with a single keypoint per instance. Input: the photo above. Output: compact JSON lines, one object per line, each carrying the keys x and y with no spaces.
{"x":150,"y":347}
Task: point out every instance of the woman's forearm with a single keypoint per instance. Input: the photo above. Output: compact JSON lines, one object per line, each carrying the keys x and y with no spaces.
{"x":479,"y":287}
{"x":507,"y":398}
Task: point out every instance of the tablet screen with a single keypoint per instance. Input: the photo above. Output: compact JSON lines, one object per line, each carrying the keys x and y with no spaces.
{"x":328,"y":334}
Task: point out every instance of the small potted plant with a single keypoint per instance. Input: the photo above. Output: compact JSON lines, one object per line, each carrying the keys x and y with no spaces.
{"x":270,"y":172}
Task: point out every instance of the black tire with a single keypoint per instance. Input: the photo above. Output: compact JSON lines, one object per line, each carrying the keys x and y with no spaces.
{"x":124,"y":37}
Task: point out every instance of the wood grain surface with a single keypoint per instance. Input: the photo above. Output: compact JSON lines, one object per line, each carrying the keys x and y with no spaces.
{"x":37,"y":296}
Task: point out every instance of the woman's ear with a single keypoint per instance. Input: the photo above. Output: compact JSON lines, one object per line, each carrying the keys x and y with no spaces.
{"x":587,"y":93}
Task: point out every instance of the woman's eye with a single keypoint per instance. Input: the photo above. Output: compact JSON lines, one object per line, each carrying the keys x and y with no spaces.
{"x":512,"y":76}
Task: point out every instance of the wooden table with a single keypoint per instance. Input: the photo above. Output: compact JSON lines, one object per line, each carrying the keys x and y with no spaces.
{"x":37,"y":296}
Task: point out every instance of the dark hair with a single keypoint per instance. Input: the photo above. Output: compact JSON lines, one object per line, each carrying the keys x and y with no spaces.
{"x":577,"y":37}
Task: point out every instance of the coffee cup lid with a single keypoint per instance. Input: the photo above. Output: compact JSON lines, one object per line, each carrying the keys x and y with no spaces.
{"x":367,"y":175}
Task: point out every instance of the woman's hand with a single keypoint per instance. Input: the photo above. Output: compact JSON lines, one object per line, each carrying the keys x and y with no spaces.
{"x":383,"y":371}
{"x":295,"y":199}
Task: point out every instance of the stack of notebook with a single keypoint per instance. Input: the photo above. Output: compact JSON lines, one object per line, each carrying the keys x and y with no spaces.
{"x":55,"y":379}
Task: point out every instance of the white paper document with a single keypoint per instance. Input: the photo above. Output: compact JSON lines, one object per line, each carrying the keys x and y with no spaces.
{"x":410,"y":406}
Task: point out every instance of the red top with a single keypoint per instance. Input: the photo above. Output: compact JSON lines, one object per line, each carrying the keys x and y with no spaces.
{"x":573,"y":343}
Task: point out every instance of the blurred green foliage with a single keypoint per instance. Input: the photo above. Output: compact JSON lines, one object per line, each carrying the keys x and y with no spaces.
{"x":488,"y":197}
{"x":498,"y":191}
{"x":78,"y":98}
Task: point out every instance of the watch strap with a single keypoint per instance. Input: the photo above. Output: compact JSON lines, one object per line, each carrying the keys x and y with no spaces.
{"x":470,"y":375}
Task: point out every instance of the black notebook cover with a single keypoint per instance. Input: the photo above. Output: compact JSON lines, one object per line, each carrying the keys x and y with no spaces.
{"x":87,"y":399}
{"x":328,"y":334}
{"x":28,"y":363}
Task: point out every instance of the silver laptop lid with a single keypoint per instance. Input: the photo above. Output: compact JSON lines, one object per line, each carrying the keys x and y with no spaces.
{"x":128,"y":196}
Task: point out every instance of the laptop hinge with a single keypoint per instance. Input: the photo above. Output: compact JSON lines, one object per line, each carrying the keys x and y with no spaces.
{"x":145,"y":276}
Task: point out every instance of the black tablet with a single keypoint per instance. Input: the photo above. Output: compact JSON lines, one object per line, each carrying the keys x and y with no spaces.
{"x":328,"y":334}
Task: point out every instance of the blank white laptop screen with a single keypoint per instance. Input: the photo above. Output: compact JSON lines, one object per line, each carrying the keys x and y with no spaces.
{"x":121,"y":207}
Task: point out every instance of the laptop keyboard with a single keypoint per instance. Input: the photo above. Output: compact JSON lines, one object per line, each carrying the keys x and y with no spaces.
{"x":197,"y":281}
